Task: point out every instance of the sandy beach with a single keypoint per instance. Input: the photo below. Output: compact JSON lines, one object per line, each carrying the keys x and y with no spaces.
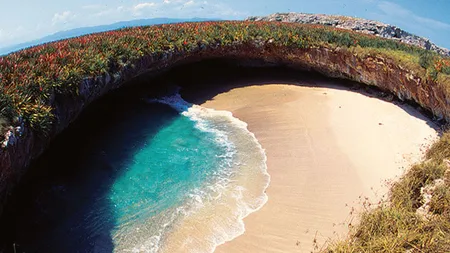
{"x":327,"y":149}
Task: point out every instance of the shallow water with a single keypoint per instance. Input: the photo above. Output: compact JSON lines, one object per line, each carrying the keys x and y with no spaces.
{"x":138,"y":178}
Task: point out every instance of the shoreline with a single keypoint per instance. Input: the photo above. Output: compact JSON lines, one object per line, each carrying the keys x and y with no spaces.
{"x":218,"y":217}
{"x":286,"y":223}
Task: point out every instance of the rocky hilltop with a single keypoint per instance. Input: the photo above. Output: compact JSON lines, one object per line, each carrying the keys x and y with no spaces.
{"x":358,"y":25}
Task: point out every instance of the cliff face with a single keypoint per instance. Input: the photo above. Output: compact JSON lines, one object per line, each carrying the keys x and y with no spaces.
{"x":341,"y":63}
{"x":358,"y":25}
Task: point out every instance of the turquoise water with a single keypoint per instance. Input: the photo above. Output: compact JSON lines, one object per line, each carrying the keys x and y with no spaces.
{"x":142,"y":177}
{"x":178,"y":159}
{"x":163,"y":177}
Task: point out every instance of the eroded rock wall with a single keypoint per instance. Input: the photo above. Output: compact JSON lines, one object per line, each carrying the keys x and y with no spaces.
{"x":332,"y":62}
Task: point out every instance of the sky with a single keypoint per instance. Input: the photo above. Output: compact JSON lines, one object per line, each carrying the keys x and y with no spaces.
{"x":25,"y":20}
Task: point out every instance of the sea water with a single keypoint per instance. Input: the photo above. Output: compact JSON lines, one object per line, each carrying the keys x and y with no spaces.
{"x":184,"y":188}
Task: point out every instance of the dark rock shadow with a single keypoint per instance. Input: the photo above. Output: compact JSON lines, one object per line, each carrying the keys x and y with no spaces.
{"x":204,"y":80}
{"x":62,"y":204}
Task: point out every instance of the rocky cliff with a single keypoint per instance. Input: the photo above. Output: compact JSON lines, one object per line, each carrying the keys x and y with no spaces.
{"x":25,"y":145}
{"x":357,"y":25}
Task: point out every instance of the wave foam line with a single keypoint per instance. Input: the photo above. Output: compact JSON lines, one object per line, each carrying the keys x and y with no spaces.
{"x":204,"y":118}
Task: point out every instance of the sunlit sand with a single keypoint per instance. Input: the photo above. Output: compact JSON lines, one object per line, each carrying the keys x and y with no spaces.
{"x":328,"y":149}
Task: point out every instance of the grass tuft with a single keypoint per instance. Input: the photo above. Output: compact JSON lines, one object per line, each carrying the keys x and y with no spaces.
{"x":395,"y":226}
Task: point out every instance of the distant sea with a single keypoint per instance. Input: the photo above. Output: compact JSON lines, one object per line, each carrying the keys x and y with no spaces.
{"x":95,"y":29}
{"x":148,"y":176}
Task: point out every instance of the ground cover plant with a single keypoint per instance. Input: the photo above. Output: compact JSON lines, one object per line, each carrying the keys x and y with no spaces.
{"x":31,"y":79}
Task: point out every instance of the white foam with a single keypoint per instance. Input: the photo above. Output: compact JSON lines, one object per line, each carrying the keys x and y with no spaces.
{"x":204,"y":119}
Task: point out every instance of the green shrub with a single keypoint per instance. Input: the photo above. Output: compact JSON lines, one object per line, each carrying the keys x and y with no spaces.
{"x":432,"y":73}
{"x":6,"y":105}
{"x":426,"y":59}
{"x":441,"y":149}
{"x":446,"y":70}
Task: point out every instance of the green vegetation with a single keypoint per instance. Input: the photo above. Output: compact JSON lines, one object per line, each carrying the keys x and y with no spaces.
{"x":29,"y":78}
{"x":395,"y":226}
{"x":426,"y":59}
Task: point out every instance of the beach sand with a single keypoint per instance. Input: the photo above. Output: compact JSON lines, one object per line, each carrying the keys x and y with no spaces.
{"x":327,"y":149}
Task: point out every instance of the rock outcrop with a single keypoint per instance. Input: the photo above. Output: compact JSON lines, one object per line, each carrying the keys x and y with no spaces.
{"x":358,"y":25}
{"x":332,"y":62}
